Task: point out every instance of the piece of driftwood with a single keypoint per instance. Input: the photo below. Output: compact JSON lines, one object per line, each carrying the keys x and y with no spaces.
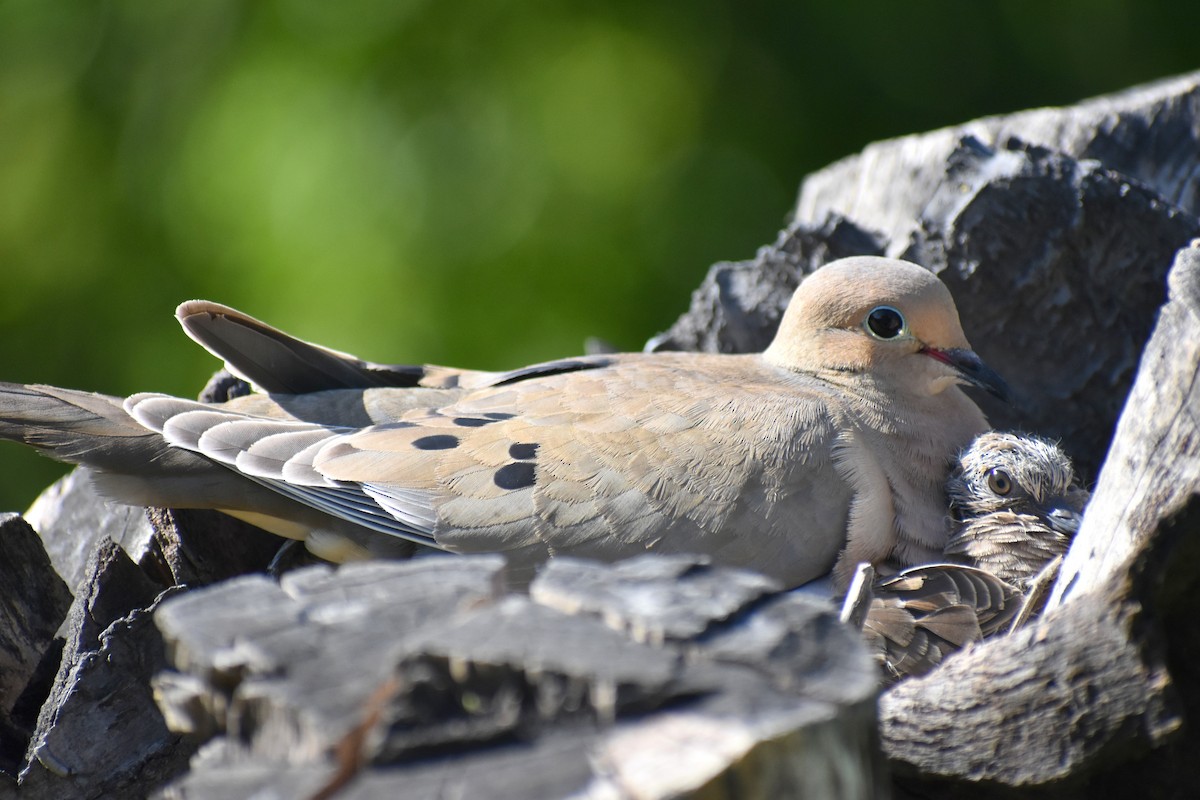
{"x":1055,"y":230}
{"x":1147,"y":133}
{"x":73,"y":520}
{"x":1153,"y":469}
{"x":657,"y":677}
{"x":52,"y":732}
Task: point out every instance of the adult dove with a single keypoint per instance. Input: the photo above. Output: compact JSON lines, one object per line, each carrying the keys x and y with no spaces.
{"x":827,"y":449}
{"x":1017,"y":505}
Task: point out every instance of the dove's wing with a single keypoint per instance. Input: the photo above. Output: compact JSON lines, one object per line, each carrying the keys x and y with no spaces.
{"x":923,"y":614}
{"x":649,"y":453}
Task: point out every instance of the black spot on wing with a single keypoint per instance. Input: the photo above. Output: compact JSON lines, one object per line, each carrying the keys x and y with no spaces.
{"x":439,"y":441}
{"x":522,"y":451}
{"x":552,"y":368}
{"x":398,"y":375}
{"x":517,"y":475}
{"x":473,"y":422}
{"x":499,"y":415}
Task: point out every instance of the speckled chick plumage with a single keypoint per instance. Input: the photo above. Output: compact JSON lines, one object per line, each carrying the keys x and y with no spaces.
{"x":1017,"y":505}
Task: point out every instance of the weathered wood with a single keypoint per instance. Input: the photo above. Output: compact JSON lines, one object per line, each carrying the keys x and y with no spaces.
{"x":73,"y":519}
{"x":650,"y":600}
{"x":47,"y":683}
{"x":1153,"y":468}
{"x":472,"y":692}
{"x":328,"y":636}
{"x":1147,"y":133}
{"x":1048,"y":703}
{"x":98,"y":734}
{"x":33,"y":603}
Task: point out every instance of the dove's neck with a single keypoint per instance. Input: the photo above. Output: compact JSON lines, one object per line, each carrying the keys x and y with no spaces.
{"x":903,"y":445}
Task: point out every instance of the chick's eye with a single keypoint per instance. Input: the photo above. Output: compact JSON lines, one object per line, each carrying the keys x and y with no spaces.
{"x":999,"y":482}
{"x":884,"y":322}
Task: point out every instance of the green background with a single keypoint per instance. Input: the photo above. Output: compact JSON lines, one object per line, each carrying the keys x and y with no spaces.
{"x":481,"y":183}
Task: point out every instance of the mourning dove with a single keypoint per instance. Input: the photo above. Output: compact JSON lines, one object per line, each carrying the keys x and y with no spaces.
{"x":1017,"y":505}
{"x":830,"y":446}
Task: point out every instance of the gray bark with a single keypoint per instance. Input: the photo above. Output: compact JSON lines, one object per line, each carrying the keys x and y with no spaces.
{"x":99,"y":733}
{"x":604,"y":682}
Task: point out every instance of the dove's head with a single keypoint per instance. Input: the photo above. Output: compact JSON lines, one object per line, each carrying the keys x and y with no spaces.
{"x":1018,"y":473}
{"x":884,"y":317}
{"x":1017,"y":504}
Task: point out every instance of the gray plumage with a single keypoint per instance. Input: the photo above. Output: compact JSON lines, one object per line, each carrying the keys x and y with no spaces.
{"x":921,"y":615}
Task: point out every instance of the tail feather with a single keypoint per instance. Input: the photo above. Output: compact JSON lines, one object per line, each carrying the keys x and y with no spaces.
{"x":135,"y":465}
{"x":80,"y":428}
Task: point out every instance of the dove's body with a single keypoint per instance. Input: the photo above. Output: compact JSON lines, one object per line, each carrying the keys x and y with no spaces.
{"x":829,"y":441}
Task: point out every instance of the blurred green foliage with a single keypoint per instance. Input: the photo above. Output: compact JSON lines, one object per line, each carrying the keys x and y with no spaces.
{"x":472,"y":182}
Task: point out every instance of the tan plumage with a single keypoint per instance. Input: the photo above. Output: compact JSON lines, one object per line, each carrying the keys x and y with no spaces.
{"x":828,"y":447}
{"x":1017,"y":505}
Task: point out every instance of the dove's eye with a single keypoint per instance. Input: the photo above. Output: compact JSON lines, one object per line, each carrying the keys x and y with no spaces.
{"x":999,"y":482}
{"x":885,"y":322}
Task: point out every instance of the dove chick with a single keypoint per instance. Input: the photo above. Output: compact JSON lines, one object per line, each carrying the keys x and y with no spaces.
{"x":1017,"y":505}
{"x":827,"y":449}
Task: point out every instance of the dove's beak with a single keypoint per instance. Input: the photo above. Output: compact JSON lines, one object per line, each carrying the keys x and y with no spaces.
{"x":971,"y":369}
{"x":1065,"y":513}
{"x":1064,"y":520}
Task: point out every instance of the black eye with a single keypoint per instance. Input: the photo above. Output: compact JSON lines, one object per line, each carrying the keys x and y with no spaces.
{"x":885,"y":322}
{"x":999,"y":482}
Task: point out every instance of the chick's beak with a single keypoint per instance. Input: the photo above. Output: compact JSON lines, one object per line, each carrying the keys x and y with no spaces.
{"x":1065,"y":512}
{"x":1064,"y":520}
{"x":971,"y":369}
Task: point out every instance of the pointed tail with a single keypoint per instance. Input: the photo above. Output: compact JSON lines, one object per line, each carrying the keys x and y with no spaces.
{"x":76,"y":427}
